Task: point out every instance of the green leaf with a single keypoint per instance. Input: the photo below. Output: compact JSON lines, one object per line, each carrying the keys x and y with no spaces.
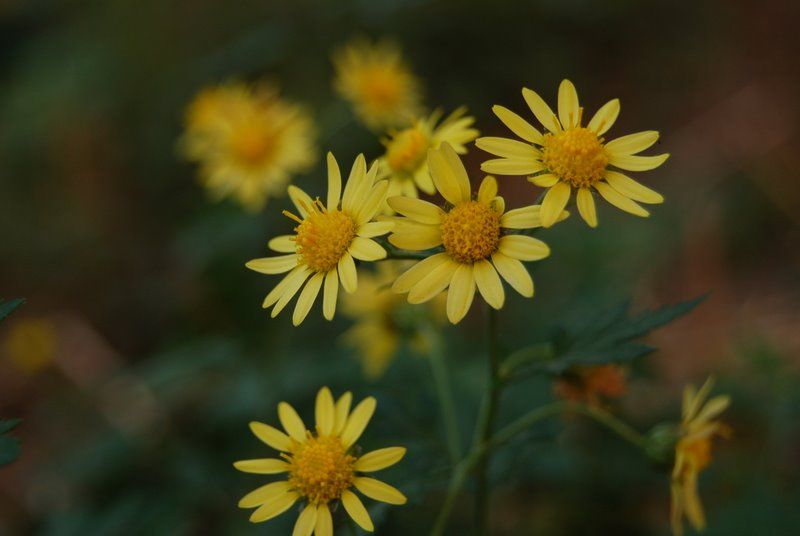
{"x":9,"y":446}
{"x":8,"y":425}
{"x":7,"y":307}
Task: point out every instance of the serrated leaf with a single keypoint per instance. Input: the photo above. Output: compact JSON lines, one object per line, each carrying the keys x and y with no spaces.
{"x":7,"y":307}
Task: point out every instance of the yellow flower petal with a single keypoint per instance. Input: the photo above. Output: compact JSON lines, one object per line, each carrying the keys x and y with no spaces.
{"x":632,"y":143}
{"x":334,"y":183}
{"x":630,"y":188}
{"x":448,"y":174}
{"x":514,"y":272}
{"x":273,"y":265}
{"x":355,"y":508}
{"x":416,"y":273}
{"x":518,"y":125}
{"x":586,"y":207}
{"x":324,"y":411}
{"x":307,"y":298}
{"x":275,"y":507}
{"x":347,"y":273}
{"x":357,"y":421}
{"x":620,"y":201}
{"x":306,"y":521}
{"x":379,"y":459}
{"x":432,"y":283}
{"x":524,"y":248}
{"x":541,"y":110}
{"x":291,"y":422}
{"x":379,"y":491}
{"x":366,"y":249}
{"x":262,"y":466}
{"x":461,"y":293}
{"x":488,"y":190}
{"x":329,"y":294}
{"x":291,"y":288}
{"x":416,"y":236}
{"x":342,"y":411}
{"x":357,"y":185}
{"x":373,"y":202}
{"x":266,"y":493}
{"x":637,"y":163}
{"x":417,"y":209}
{"x":554,"y":202}
{"x":489,"y":284}
{"x":271,"y":436}
{"x":525,"y":217}
{"x":567,"y":104}
{"x":283,"y":244}
{"x":694,"y":508}
{"x":545,"y":180}
{"x":712,"y":409}
{"x":302,"y":201}
{"x":605,"y":117}
{"x":375,"y":228}
{"x":279,"y":289}
{"x":505,"y":166}
{"x":324,"y":525}
{"x":507,"y":148}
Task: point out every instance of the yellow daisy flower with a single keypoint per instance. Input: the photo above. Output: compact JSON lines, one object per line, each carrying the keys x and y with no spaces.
{"x":323,"y":466}
{"x":693,"y":453}
{"x":377,"y":82}
{"x":327,"y":239}
{"x":572,"y":157}
{"x":383,"y":319}
{"x":249,"y":142}
{"x":476,"y":248}
{"x":407,"y":149}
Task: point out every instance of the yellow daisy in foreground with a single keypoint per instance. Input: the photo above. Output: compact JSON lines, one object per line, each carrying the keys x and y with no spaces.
{"x":693,"y":453}
{"x":384,"y":319}
{"x":377,"y":82}
{"x":476,"y":248}
{"x":327,"y":239}
{"x":249,"y":142}
{"x":322,"y":466}
{"x":572,"y":157}
{"x":406,"y":150}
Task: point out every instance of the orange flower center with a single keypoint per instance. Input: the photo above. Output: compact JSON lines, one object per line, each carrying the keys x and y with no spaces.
{"x":698,"y":453}
{"x":407,"y":150}
{"x":253,"y":144}
{"x":470,"y":232}
{"x":576,"y":155}
{"x":320,"y":469}
{"x":380,"y":88}
{"x":323,"y":237}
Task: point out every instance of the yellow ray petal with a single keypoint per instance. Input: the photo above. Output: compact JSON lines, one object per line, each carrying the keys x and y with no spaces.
{"x":292,"y":286}
{"x":329,"y":294}
{"x":518,"y":125}
{"x":554,"y":202}
{"x":357,"y":185}
{"x":637,"y":163}
{"x":266,"y":493}
{"x":489,"y":284}
{"x":417,"y":209}
{"x":567,"y":104}
{"x":291,"y":422}
{"x":274,"y":507}
{"x":507,"y":148}
{"x":375,"y":228}
{"x":287,"y":282}
{"x":416,"y":236}
{"x":545,"y":180}
{"x":632,"y":143}
{"x":366,"y":249}
{"x":334,"y":183}
{"x":324,"y":525}
{"x":342,"y":410}
{"x":273,"y":265}
{"x":487,"y":190}
{"x":347,"y":273}
{"x":358,"y":421}
{"x":306,"y":521}
{"x":262,"y":466}
{"x":416,"y":273}
{"x":461,"y":293}
{"x":514,"y":272}
{"x":324,"y":411}
{"x":432,"y":283}
{"x":283,"y":244}
{"x":630,"y":188}
{"x":451,"y":180}
{"x":271,"y":436}
{"x":355,"y":508}
{"x":379,"y":491}
{"x":506,"y":166}
{"x":373,"y":202}
{"x":307,"y":298}
{"x":605,"y":117}
{"x":302,"y":201}
{"x":524,"y":248}
{"x":379,"y":459}
{"x":541,"y":110}
{"x":620,"y":201}
{"x":586,"y":207}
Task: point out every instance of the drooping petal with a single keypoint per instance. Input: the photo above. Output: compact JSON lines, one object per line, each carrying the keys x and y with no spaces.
{"x":541,"y":110}
{"x":637,"y":163}
{"x":518,"y":125}
{"x":632,"y":143}
{"x":347,"y":273}
{"x":416,"y":273}
{"x":489,"y":284}
{"x":342,"y":410}
{"x":262,"y":466}
{"x":620,"y":201}
{"x":417,"y":209}
{"x":358,"y":421}
{"x":330,"y":293}
{"x":287,"y":282}
{"x":324,"y":411}
{"x":545,"y":180}
{"x":379,"y":491}
{"x":554,"y":202}
{"x":307,"y":298}
{"x":334,"y":183}
{"x":324,"y":525}
{"x":275,"y":507}
{"x":461,"y":293}
{"x":292,"y":286}
{"x":273,"y":265}
{"x":271,"y":436}
{"x":514,"y":272}
{"x":283,"y":244}
{"x":507,"y":166}
{"x":630,"y":188}
{"x":366,"y":249}
{"x":375,"y":228}
{"x":524,"y":248}
{"x":379,"y":459}
{"x":507,"y":148}
{"x":451,"y":180}
{"x":586,"y":207}
{"x":302,"y":201}
{"x":605,"y":117}
{"x":432,"y":283}
{"x":306,"y":521}
{"x":488,"y":190}
{"x":567,"y":104}
{"x":263,"y":494}
{"x":291,"y":422}
{"x":355,"y":508}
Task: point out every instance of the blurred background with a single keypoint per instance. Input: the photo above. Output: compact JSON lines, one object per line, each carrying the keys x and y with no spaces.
{"x":142,"y":351}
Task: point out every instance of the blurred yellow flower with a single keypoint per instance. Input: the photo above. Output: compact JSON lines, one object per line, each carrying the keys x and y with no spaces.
{"x":377,"y":82}
{"x":475,"y":247}
{"x":572,"y":157}
{"x":31,"y":344}
{"x":407,"y":149}
{"x":693,"y":453}
{"x":327,"y":239}
{"x":322,"y":466}
{"x":383,"y":319}
{"x":248,"y":140}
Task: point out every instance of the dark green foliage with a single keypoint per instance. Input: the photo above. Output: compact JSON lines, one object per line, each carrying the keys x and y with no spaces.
{"x":9,"y":446}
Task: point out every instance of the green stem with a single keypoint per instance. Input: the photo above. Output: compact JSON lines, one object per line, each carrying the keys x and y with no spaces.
{"x":485,"y":426}
{"x":621,"y":428}
{"x":444,"y":392}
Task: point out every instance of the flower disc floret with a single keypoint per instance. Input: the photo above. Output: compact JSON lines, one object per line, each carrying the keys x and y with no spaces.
{"x":470,"y":231}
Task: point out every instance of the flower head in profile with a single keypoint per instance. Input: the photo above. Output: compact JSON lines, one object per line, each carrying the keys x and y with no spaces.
{"x":407,"y":150}
{"x":377,"y":82}
{"x":593,"y":385}
{"x":570,"y":157}
{"x":248,"y":141}
{"x":384,"y":319}
{"x":327,"y":239}
{"x":693,"y":453}
{"x":474,"y":235}
{"x":322,"y":466}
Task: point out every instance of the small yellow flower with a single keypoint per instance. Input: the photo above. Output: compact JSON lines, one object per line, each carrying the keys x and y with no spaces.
{"x":322,"y":466}
{"x":572,"y":157}
{"x":383,"y":319}
{"x":31,"y":344}
{"x":249,"y":142}
{"x":377,"y":82}
{"x":327,"y":239}
{"x":693,"y":453}
{"x":476,"y":248}
{"x":406,"y":150}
